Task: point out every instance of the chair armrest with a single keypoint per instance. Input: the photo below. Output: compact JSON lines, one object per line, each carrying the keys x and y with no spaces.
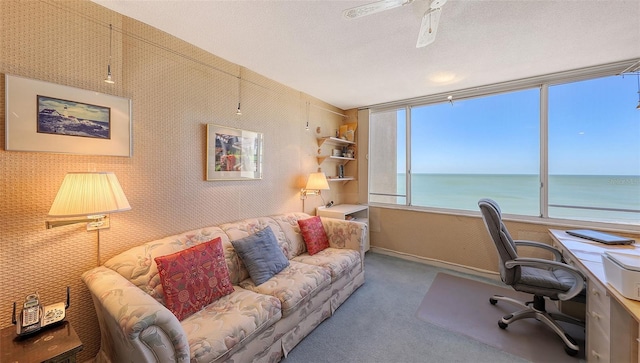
{"x":134,"y":326}
{"x":545,"y":265}
{"x":557,"y":255}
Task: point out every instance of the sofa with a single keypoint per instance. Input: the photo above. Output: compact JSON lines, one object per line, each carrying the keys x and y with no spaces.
{"x":252,"y":323}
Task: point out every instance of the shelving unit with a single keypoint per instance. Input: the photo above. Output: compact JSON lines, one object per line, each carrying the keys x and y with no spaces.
{"x":321,"y":158}
{"x":334,"y":141}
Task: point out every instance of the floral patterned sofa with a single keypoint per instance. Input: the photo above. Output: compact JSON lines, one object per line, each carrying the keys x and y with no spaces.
{"x":251,"y":324}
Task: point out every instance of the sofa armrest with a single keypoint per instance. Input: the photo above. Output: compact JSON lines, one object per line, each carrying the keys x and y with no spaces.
{"x":134,"y":326}
{"x":346,"y":234}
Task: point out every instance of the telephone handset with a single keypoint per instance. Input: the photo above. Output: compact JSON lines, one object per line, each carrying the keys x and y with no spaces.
{"x":34,"y":316}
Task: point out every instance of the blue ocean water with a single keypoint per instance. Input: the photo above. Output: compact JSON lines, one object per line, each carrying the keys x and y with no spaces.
{"x":520,"y":194}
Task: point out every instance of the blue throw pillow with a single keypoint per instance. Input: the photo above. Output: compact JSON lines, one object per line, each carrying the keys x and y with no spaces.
{"x":261,"y":255}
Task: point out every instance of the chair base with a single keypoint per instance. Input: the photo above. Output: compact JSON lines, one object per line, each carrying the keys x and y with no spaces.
{"x":536,"y":309}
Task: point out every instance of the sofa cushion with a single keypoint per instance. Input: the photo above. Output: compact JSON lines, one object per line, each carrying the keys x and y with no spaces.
{"x":261,"y":255}
{"x":137,"y":264}
{"x":194,"y":277}
{"x":294,"y":285}
{"x":246,"y":227}
{"x":225,"y":324}
{"x":315,"y":238}
{"x":288,"y":222}
{"x":338,"y":261}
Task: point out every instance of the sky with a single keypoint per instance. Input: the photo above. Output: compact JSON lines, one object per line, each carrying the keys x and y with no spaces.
{"x":594,"y":129}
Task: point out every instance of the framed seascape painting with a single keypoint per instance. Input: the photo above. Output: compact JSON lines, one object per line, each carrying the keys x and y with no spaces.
{"x":47,"y":117}
{"x":233,"y":154}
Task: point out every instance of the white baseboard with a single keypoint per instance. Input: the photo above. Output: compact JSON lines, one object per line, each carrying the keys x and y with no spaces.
{"x":438,"y":263}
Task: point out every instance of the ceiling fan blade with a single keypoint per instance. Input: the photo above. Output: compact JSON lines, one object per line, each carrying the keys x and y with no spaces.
{"x":373,"y":8}
{"x":428,"y":27}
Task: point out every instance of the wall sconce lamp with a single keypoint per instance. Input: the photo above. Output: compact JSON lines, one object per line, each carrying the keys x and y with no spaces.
{"x":316,"y":183}
{"x":92,"y":195}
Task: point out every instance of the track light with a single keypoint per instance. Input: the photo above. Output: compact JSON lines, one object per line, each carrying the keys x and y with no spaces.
{"x":638,"y":106}
{"x":238,"y":112}
{"x":307,"y":126}
{"x":108,"y":79}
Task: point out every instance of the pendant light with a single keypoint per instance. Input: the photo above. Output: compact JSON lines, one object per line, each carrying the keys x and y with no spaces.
{"x":307,"y":126}
{"x":108,"y":79}
{"x":238,"y":112}
{"x":638,"y":106}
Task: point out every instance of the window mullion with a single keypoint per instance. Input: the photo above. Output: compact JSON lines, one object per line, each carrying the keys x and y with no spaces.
{"x":544,"y":151}
{"x":408,"y":154}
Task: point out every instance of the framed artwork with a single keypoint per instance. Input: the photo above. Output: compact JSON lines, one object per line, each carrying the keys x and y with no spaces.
{"x":47,"y":117}
{"x":233,"y":154}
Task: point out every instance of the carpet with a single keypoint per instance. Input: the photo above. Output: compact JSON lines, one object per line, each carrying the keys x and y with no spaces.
{"x":462,"y":305}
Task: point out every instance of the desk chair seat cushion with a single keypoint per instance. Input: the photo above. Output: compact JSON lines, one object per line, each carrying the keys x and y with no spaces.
{"x":544,"y":282}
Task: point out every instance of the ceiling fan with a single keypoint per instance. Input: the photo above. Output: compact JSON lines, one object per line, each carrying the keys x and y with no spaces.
{"x":430,"y":19}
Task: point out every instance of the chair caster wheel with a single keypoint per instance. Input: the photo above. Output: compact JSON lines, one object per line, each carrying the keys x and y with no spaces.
{"x":493,"y":301}
{"x":503,"y":325}
{"x":569,"y":351}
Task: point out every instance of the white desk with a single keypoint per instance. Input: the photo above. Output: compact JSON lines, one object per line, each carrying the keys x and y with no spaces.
{"x":612,"y":320}
{"x":354,"y":212}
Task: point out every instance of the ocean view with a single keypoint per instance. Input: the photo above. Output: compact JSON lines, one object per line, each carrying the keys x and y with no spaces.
{"x":520,"y":194}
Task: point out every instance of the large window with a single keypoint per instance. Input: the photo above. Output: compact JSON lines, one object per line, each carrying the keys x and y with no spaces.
{"x":578,"y":160}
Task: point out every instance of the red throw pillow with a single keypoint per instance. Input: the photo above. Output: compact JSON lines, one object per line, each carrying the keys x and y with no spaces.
{"x":194,"y":278}
{"x":313,"y":234}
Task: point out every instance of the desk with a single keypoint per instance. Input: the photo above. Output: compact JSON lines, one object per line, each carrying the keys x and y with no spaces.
{"x":612,"y":320}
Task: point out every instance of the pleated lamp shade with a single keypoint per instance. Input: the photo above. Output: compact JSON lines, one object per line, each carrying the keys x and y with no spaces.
{"x":317,"y":181}
{"x":84,"y":194}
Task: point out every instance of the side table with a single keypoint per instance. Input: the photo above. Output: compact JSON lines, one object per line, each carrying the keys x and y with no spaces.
{"x":58,"y":344}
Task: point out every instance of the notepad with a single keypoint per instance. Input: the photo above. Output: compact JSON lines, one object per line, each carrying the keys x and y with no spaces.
{"x":606,"y":238}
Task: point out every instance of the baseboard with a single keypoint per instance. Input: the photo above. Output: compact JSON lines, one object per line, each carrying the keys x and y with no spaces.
{"x":438,"y":263}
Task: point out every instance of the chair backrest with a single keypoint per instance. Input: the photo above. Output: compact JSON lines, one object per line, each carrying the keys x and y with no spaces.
{"x":507,"y":250}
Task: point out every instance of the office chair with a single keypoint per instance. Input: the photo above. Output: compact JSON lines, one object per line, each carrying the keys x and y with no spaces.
{"x":553,"y":280}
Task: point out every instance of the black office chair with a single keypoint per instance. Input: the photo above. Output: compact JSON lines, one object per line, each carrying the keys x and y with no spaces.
{"x":542,"y":278}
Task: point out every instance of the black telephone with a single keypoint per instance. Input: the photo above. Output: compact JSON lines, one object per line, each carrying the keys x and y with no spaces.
{"x":34,"y":316}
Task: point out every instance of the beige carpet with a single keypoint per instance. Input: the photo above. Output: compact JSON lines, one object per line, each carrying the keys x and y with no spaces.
{"x":462,"y":305}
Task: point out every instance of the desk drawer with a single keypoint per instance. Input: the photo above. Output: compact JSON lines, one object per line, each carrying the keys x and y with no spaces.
{"x":598,"y":323}
{"x":597,"y":299}
{"x":598,"y":345}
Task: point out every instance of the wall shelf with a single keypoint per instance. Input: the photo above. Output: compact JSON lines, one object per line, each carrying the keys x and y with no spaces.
{"x":336,"y":179}
{"x":322,"y":158}
{"x":334,"y":141}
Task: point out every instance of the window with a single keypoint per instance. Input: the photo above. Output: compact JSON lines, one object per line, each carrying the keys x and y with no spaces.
{"x":583,"y":163}
{"x":594,"y":150}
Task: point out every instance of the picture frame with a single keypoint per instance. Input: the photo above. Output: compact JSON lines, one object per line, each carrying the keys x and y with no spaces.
{"x":48,"y":117}
{"x":233,"y":154}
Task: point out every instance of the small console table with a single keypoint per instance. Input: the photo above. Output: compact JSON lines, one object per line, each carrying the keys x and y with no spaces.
{"x":58,"y":344}
{"x":612,"y":320}
{"x":354,"y":212}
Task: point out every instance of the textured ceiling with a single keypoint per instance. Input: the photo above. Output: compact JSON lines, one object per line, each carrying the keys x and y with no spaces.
{"x":308,"y":46}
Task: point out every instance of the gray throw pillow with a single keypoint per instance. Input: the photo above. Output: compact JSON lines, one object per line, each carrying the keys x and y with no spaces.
{"x":261,"y":255}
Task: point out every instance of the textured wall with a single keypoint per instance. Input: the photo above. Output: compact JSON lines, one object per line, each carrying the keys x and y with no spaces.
{"x":456,"y":239}
{"x":173,"y":98}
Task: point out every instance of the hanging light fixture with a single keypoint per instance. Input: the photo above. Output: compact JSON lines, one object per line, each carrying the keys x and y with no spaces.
{"x":307,"y":126}
{"x":108,"y":79}
{"x":238,"y":112}
{"x":638,"y":106}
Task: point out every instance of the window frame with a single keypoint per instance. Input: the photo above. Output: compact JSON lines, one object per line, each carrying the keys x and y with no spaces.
{"x":542,"y":83}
